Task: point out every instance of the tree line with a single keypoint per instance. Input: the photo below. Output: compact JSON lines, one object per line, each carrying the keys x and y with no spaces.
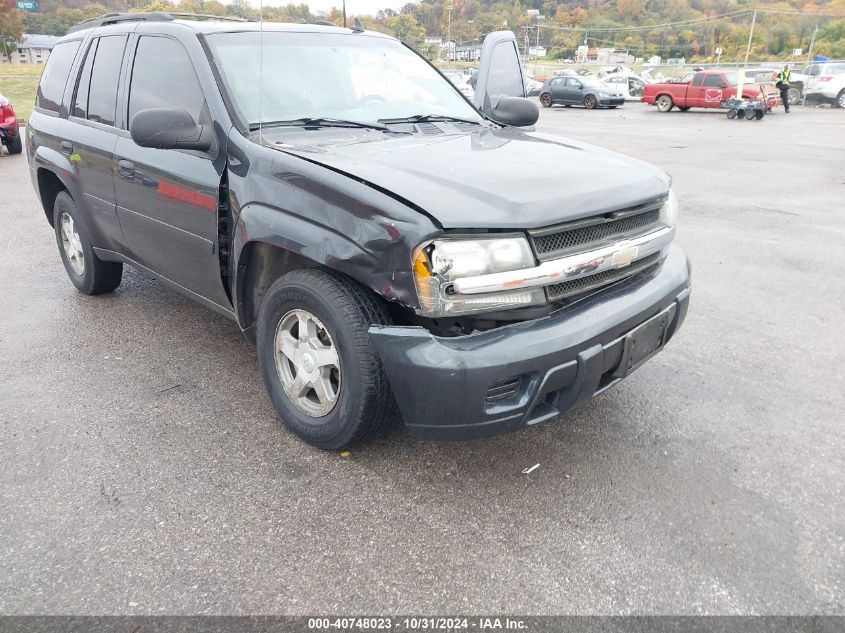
{"x":691,"y":29}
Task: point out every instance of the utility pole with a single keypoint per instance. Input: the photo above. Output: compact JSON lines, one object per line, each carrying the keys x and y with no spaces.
{"x":809,"y":61}
{"x":747,"y":51}
{"x":750,"y":35}
{"x":449,"y":33}
{"x":344,"y":13}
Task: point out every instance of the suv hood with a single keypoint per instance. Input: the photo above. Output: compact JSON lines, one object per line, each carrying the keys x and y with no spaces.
{"x":484,"y":178}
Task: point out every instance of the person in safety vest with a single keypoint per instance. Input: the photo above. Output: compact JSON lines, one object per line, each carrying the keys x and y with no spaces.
{"x":782,"y":84}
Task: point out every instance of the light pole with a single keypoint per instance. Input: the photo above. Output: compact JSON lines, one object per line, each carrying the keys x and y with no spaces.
{"x":449,"y":32}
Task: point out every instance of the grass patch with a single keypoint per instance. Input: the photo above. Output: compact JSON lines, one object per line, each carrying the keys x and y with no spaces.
{"x":18,"y":84}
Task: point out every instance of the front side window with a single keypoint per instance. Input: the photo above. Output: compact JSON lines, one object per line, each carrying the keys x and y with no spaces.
{"x":102,"y":89}
{"x":164,"y":77}
{"x":355,"y":77}
{"x":713,"y":81}
{"x":53,"y":81}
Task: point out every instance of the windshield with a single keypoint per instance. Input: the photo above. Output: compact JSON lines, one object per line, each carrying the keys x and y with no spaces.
{"x":732,"y":78}
{"x":455,"y":78}
{"x":354,"y":77}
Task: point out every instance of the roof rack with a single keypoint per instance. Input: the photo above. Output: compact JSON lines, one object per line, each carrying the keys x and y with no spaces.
{"x":152,"y":16}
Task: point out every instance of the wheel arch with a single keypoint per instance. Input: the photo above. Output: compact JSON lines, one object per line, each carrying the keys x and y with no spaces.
{"x":50,"y":185}
{"x":269,"y":243}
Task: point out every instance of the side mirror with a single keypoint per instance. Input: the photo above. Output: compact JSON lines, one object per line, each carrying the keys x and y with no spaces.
{"x":499,"y":71}
{"x":516,"y":111}
{"x":169,"y":128}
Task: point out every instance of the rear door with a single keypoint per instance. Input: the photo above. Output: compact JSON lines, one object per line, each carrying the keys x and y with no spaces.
{"x":556,"y":89}
{"x":167,"y":200}
{"x":92,"y":135}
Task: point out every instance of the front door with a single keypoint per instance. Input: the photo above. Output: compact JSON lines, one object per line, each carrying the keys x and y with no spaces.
{"x":167,"y":200}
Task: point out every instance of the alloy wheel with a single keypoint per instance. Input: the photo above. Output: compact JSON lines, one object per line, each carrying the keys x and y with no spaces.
{"x":307,"y":363}
{"x":72,"y":245}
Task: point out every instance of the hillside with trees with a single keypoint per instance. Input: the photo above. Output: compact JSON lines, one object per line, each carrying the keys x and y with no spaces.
{"x":691,"y":29}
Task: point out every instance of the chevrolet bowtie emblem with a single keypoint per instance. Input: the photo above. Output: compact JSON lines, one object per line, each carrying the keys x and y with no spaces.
{"x":625,"y":254}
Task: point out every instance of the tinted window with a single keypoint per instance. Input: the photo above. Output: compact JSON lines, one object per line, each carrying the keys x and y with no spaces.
{"x":697,"y":78}
{"x":80,"y":100}
{"x":55,"y":75}
{"x":102,"y":93}
{"x":163,"y":77}
{"x":713,"y":81}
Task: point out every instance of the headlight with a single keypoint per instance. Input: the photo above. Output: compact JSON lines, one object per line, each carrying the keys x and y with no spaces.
{"x":439,"y":263}
{"x":670,"y":210}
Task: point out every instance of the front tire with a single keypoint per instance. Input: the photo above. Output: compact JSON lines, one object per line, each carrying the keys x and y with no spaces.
{"x":664,"y":103}
{"x":839,"y":102}
{"x":89,"y":273}
{"x":321,"y":372}
{"x":793,"y":96}
{"x":590,"y":102}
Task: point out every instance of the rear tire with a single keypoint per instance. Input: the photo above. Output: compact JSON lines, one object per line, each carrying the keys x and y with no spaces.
{"x":361,"y":403}
{"x":731,"y":114}
{"x":839,"y":102}
{"x":546,"y":100}
{"x":15,"y":146}
{"x":793,"y":96}
{"x":89,"y":273}
{"x":664,"y":103}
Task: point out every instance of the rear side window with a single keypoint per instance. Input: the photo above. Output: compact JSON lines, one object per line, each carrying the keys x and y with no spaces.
{"x":102,"y":91}
{"x":163,"y":77}
{"x":80,"y":100}
{"x":697,"y":79}
{"x":53,"y":81}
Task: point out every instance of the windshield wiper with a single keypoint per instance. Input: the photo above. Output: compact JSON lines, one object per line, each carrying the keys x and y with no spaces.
{"x":428,"y":118}
{"x":320,"y":122}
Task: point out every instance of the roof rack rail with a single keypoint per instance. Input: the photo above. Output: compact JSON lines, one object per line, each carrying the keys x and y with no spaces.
{"x":114,"y":18}
{"x":207,"y":16}
{"x":152,"y":16}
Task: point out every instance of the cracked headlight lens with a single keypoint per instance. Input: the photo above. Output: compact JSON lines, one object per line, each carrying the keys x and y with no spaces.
{"x":439,"y":263}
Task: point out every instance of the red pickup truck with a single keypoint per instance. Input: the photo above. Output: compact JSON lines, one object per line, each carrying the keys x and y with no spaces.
{"x":706,"y":89}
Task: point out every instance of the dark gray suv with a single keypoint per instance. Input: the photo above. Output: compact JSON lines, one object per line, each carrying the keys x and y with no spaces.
{"x":383,"y":240}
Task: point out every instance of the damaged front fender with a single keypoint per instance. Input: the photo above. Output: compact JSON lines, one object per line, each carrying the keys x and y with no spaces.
{"x":327,"y":218}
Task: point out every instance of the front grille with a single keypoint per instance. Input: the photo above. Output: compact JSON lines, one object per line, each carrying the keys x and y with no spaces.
{"x":577,"y":286}
{"x":553,"y":242}
{"x":503,"y":389}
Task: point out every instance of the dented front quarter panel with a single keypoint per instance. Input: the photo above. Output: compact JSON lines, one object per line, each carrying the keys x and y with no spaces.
{"x":328,"y":217}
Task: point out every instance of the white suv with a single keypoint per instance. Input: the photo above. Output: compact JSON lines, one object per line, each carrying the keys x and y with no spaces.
{"x":826,"y":84}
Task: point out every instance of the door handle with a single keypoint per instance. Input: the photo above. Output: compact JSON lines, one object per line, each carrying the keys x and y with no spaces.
{"x":126,"y":168}
{"x":67,"y":147}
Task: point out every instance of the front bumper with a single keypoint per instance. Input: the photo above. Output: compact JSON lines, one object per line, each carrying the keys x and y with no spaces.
{"x":441,"y":384}
{"x":611,"y":101}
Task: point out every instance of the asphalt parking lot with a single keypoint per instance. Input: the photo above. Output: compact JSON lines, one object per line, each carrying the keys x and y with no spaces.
{"x":145,"y":472}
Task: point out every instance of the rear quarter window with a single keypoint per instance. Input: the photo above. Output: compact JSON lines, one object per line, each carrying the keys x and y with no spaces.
{"x":55,"y":76}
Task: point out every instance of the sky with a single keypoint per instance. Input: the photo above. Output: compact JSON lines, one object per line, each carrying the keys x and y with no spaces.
{"x":353,"y":7}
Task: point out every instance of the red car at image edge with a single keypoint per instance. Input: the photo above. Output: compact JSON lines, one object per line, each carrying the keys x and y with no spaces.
{"x":9,"y":133}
